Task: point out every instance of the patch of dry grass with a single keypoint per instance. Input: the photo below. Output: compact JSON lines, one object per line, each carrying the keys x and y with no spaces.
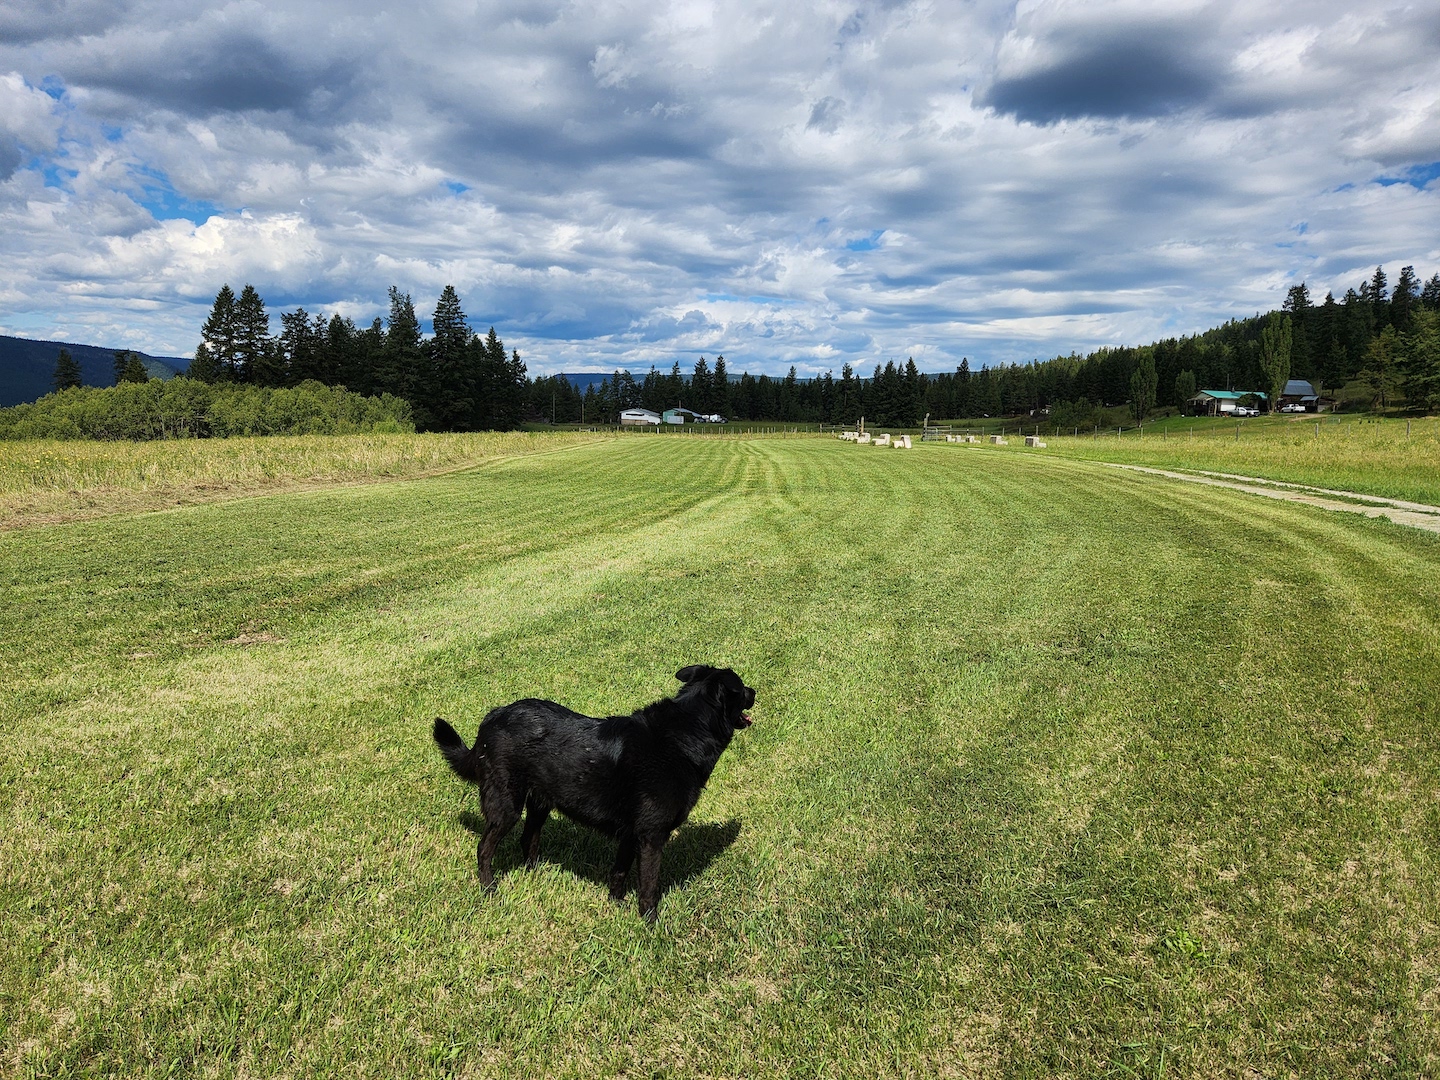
{"x":50,"y":481}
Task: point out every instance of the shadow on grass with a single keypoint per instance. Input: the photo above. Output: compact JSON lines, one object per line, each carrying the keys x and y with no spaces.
{"x":588,"y":855}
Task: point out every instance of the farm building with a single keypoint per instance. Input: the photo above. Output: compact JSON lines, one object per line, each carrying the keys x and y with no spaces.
{"x":687,"y":416}
{"x":638,"y":418}
{"x":1301,"y":392}
{"x":1220,"y":402}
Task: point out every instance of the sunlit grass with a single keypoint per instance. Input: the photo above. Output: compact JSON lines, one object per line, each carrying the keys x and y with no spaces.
{"x":64,"y":480}
{"x":1055,"y":772}
{"x":1394,"y":458}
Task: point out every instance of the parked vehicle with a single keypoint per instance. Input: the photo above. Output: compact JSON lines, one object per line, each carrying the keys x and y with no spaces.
{"x":1294,"y":406}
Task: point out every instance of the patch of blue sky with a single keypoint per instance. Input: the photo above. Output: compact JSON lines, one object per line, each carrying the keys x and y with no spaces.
{"x":1302,"y":228}
{"x":53,"y":86}
{"x":455,"y":187}
{"x":56,"y":176}
{"x":1417,"y":176}
{"x":159,"y":197}
{"x":773,"y":301}
{"x":866,"y":243}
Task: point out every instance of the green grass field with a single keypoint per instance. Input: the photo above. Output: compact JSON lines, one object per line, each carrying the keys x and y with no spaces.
{"x":1055,"y":771}
{"x":1397,"y":459}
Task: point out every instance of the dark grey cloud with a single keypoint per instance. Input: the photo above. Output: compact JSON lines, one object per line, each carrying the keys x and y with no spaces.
{"x":826,"y":115}
{"x":10,"y":157}
{"x":236,"y":70}
{"x":1122,"y":78}
{"x":1126,"y":70}
{"x":26,"y":22}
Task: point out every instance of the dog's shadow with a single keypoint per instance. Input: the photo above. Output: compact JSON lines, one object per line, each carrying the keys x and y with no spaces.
{"x":588,"y":855}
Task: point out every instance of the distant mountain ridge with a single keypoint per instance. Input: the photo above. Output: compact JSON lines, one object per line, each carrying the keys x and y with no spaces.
{"x":27,"y":367}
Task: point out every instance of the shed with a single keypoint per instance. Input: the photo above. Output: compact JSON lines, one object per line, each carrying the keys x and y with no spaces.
{"x":1221,"y":402}
{"x":638,"y":418}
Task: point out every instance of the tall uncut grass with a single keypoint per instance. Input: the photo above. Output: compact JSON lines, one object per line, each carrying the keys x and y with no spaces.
{"x":62,"y":480}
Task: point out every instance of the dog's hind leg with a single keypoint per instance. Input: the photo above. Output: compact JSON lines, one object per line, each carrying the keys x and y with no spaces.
{"x":501,"y":802}
{"x":535,"y":814}
{"x":495,"y":831}
{"x":624,"y":858}
{"x":649,"y":890}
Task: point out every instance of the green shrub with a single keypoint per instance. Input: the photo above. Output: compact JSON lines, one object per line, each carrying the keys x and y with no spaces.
{"x":182,"y":408}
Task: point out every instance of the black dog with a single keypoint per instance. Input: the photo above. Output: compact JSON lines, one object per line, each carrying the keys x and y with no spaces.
{"x":634,"y":777}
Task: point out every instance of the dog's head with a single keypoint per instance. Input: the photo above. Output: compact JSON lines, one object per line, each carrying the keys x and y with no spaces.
{"x":722,"y":686}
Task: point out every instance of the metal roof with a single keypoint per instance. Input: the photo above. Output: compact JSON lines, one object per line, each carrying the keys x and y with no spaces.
{"x":1230,"y":395}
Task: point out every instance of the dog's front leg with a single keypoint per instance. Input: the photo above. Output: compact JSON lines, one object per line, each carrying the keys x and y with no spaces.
{"x":624,"y":857}
{"x":649,"y":890}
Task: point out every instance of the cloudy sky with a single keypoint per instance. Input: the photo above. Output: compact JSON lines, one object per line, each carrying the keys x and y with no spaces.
{"x":627,"y":183}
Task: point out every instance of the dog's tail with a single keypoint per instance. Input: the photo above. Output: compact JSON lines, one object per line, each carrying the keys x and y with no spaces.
{"x":462,"y":759}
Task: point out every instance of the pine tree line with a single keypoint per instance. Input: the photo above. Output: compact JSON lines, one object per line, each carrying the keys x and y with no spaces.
{"x":454,"y":380}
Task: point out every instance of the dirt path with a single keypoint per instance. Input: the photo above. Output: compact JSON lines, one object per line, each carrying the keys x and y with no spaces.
{"x":1418,"y":515}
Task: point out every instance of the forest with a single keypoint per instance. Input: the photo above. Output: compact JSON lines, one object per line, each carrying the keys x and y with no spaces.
{"x":1385,"y":339}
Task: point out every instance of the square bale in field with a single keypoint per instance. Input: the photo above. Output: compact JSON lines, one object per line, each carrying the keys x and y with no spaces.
{"x":999,"y":440}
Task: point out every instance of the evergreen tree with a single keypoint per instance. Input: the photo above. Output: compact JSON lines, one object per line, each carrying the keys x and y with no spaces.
{"x":1430,"y":295}
{"x":218,"y":338}
{"x":205,"y":368}
{"x":1275,"y":341}
{"x":1357,"y":327}
{"x":1143,"y":384}
{"x":252,"y":339}
{"x":129,"y":368}
{"x":963,"y":403}
{"x":1382,"y":366}
{"x":445,"y":396}
{"x":369,"y":359}
{"x":674,"y":388}
{"x":342,"y":353}
{"x":1377,"y":295}
{"x":399,"y":361}
{"x":1421,"y":346}
{"x":1297,"y":304}
{"x":268,"y":366}
{"x":1404,"y":299}
{"x":301,"y":345}
{"x":701,"y":391}
{"x":847,"y":397}
{"x":720,"y":382}
{"x":1184,"y":387}
{"x":67,"y":371}
{"x":913,"y":394}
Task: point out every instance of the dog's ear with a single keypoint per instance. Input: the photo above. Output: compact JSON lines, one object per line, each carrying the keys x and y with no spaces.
{"x":693,"y":672}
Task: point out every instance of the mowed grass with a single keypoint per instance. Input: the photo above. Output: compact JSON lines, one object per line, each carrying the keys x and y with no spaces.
{"x":1397,"y":459}
{"x":1055,"y":772}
